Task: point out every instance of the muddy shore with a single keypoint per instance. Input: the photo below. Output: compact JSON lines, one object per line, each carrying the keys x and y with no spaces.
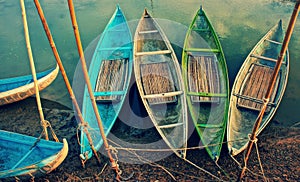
{"x":278,"y":150}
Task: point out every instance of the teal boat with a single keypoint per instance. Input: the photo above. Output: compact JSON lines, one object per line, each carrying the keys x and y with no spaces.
{"x":26,"y":155}
{"x":19,"y":88}
{"x":110,"y":72}
{"x":250,"y":87}
{"x":206,"y":83}
{"x":159,"y":81}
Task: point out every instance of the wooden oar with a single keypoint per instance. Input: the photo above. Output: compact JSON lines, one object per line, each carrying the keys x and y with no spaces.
{"x":271,"y":85}
{"x":65,"y":77}
{"x":37,"y":93}
{"x":89,"y":87}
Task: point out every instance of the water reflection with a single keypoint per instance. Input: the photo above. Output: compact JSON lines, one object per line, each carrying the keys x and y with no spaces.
{"x":239,"y":23}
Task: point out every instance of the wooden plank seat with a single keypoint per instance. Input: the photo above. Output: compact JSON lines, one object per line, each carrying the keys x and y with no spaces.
{"x":202,"y":50}
{"x":114,"y":48}
{"x":263,"y":58}
{"x":158,"y":82}
{"x":153,"y":53}
{"x":273,"y":41}
{"x":254,"y":88}
{"x":111,"y":79}
{"x":203,"y":77}
{"x":148,"y":31}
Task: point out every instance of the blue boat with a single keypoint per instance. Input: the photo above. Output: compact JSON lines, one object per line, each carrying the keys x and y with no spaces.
{"x":26,"y":155}
{"x":18,"y":88}
{"x":110,"y":73}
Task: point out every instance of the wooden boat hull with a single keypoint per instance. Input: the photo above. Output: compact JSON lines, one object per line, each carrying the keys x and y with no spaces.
{"x":249,"y":89}
{"x":160,"y":84}
{"x":110,"y":73}
{"x":206,"y":83}
{"x":19,"y":88}
{"x":25,"y":155}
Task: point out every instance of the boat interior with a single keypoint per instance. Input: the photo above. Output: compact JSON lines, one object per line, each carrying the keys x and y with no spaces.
{"x":111,"y":78}
{"x":203,"y":77}
{"x":255,"y":86}
{"x":157,"y":80}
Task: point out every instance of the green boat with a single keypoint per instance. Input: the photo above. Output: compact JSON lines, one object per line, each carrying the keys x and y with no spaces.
{"x":160,"y":84}
{"x":250,"y":87}
{"x":206,"y":83}
{"x":110,"y":74}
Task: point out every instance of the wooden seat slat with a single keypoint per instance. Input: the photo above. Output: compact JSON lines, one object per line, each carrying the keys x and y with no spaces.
{"x":255,"y":86}
{"x":203,"y":78}
{"x":157,"y":80}
{"x":111,"y":78}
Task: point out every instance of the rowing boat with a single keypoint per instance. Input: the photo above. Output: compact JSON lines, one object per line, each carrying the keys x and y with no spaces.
{"x":26,"y":155}
{"x":18,"y":88}
{"x":110,"y":72}
{"x":206,"y":83}
{"x":249,"y":89}
{"x":160,"y":84}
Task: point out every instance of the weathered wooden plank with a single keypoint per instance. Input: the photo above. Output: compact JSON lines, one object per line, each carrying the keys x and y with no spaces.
{"x":203,"y":78}
{"x":246,"y":84}
{"x":148,"y":31}
{"x":110,"y":79}
{"x":273,"y":41}
{"x":108,"y":93}
{"x":257,"y":84}
{"x":170,"y":125}
{"x":153,"y":52}
{"x":263,"y":57}
{"x":202,"y":50}
{"x":255,"y":87}
{"x":162,"y":95}
{"x":114,"y":48}
{"x":157,"y":80}
{"x":205,"y":94}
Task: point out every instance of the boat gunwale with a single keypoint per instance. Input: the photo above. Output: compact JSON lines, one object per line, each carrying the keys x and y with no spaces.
{"x":87,"y":153}
{"x":233,"y":98}
{"x":45,"y":165}
{"x":180,"y":83}
{"x":223,"y":68}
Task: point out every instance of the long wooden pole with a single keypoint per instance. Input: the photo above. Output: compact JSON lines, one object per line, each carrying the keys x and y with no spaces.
{"x":37,"y":93}
{"x":89,"y":87}
{"x":65,"y":77}
{"x":271,"y":85}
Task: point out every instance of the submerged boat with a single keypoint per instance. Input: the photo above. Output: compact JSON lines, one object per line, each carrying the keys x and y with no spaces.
{"x":206,"y":83}
{"x":250,"y":87}
{"x":26,"y":155}
{"x":110,"y":73}
{"x":18,"y":88}
{"x":160,"y":84}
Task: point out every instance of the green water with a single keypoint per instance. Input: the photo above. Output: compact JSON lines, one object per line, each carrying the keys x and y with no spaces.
{"x":239,"y":23}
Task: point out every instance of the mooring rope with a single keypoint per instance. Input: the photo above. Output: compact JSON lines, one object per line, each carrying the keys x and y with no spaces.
{"x":259,"y":161}
{"x":164,"y":168}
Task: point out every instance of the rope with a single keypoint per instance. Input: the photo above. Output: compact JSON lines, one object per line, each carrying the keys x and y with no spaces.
{"x":223,"y":171}
{"x":114,"y":152}
{"x":202,"y":169}
{"x":164,"y":168}
{"x":255,"y":139}
{"x":237,"y":162}
{"x":140,"y":158}
{"x":168,"y":149}
{"x":47,"y":124}
{"x":260,"y":163}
